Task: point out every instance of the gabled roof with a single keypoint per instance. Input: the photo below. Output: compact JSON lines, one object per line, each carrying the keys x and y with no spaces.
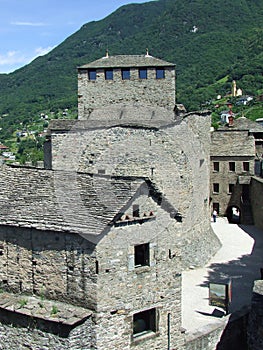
{"x":127,"y":61}
{"x":65,"y":201}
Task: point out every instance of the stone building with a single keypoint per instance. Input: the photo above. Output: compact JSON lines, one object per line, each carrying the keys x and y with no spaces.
{"x":236,"y":156}
{"x":92,"y":247}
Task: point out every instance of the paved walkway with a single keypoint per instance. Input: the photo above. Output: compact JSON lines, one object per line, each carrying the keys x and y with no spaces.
{"x":240,"y":258}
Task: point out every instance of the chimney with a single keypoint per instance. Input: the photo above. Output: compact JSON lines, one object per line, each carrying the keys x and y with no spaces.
{"x":230,"y":120}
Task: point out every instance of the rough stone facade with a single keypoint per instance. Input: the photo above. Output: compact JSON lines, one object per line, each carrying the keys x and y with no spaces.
{"x":147,"y":91}
{"x":120,"y":210}
{"x":255,"y":326}
{"x":256,"y":188}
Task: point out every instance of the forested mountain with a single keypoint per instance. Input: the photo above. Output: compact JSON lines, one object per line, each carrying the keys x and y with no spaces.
{"x":211,"y":42}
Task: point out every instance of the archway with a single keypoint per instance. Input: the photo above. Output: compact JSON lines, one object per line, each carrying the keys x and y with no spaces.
{"x":233,"y":214}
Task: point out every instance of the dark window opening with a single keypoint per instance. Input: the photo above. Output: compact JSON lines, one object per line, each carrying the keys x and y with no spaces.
{"x":97,"y":267}
{"x":216,"y":188}
{"x":144,"y":322}
{"x":160,"y":73}
{"x":108,"y":74}
{"x":143,"y":73}
{"x":246,"y":166}
{"x":216,"y":166}
{"x":125,"y":73}
{"x":142,"y":255}
{"x":101,"y":171}
{"x":92,"y":74}
{"x":216,"y":207}
{"x":136,"y":211}
{"x":231,"y":188}
{"x":232,"y":166}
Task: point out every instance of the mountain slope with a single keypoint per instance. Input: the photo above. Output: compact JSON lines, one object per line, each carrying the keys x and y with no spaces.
{"x":207,"y":40}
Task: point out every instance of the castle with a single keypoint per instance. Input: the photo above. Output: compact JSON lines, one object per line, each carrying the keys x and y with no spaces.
{"x":92,"y":247}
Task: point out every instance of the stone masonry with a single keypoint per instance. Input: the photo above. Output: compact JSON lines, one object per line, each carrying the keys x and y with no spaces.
{"x":106,"y":229}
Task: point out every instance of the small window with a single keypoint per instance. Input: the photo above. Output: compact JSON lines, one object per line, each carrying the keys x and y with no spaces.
{"x":144,"y":322}
{"x":216,"y":188}
{"x":231,"y":188}
{"x":142,"y":255}
{"x":125,"y":73}
{"x":160,"y":73}
{"x":232,"y":166}
{"x":92,"y":74}
{"x":245,"y":166}
{"x":108,"y":74}
{"x":216,"y":166}
{"x":136,"y":211}
{"x":143,"y":73}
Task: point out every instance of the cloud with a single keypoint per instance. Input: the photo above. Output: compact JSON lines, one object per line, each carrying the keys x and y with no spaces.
{"x":14,"y":59}
{"x":31,"y":24}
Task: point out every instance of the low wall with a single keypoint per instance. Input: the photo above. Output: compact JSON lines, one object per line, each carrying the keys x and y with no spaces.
{"x":228,"y":334}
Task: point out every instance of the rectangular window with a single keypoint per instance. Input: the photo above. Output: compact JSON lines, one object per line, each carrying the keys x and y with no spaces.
{"x":232,"y":166}
{"x":216,"y":166}
{"x":231,"y":188}
{"x":92,"y":74}
{"x":109,"y":74}
{"x":143,"y":73}
{"x":245,"y":166}
{"x":144,"y":322}
{"x":136,"y":211}
{"x":215,"y":188}
{"x":160,"y":73}
{"x":125,"y":73}
{"x":142,"y":255}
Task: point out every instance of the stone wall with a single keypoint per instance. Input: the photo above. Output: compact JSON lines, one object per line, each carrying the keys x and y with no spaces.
{"x":179,"y":169}
{"x":256,"y":188}
{"x":28,"y":337}
{"x":255,"y":324}
{"x":103,"y":93}
{"x":53,"y":265}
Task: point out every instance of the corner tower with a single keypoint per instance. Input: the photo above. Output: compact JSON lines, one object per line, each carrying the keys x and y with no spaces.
{"x":129,"y":80}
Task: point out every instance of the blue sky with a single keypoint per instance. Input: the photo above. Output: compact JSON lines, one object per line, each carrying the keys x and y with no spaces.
{"x":29,"y":28}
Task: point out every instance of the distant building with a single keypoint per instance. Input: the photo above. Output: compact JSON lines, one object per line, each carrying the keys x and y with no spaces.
{"x":236,"y":156}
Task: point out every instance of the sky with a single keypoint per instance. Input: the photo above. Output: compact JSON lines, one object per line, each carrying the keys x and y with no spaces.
{"x":31,"y":28}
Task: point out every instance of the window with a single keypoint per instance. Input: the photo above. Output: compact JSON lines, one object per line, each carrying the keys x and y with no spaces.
{"x":92,"y":74}
{"x":136,"y":211}
{"x":216,"y":166}
{"x":160,"y":73}
{"x":125,"y":73}
{"x":142,"y":255}
{"x":246,"y":166}
{"x":143,"y":73}
{"x":108,"y":74}
{"x":232,"y":166}
{"x":216,"y":188}
{"x":231,"y":188}
{"x":144,"y":322}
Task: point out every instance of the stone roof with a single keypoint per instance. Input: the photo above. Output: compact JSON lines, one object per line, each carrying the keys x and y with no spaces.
{"x":41,"y":308}
{"x":125,"y":61}
{"x":62,"y":201}
{"x":244,"y":123}
{"x":149,"y":117}
{"x":65,"y":201}
{"x":232,"y":143}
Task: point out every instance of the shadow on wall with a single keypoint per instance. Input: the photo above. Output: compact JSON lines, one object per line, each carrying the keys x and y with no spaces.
{"x":243,"y":272}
